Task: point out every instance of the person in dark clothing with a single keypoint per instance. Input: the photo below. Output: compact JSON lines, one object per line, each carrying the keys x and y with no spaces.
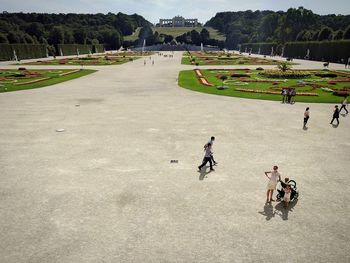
{"x":306,"y":116}
{"x":335,"y":115}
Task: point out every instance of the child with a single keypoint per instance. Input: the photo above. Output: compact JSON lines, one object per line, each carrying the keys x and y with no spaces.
{"x":287,"y":191}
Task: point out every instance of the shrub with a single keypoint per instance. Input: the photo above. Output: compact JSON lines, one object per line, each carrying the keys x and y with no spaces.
{"x":238,"y":75}
{"x":272,"y":73}
{"x":326,"y":75}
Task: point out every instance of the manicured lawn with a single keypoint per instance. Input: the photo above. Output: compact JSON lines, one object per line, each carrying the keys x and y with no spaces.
{"x":220,"y":58}
{"x":312,"y":84}
{"x":13,"y":80}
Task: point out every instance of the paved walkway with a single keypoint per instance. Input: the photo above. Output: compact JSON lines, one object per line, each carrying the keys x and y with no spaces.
{"x":105,"y":191}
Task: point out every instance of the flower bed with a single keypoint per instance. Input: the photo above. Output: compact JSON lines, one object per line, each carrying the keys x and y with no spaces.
{"x":69,"y":72}
{"x":272,"y":73}
{"x":274,"y":92}
{"x":31,"y":82}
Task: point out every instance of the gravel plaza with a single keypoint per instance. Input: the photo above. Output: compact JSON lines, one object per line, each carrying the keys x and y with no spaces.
{"x":105,"y":190}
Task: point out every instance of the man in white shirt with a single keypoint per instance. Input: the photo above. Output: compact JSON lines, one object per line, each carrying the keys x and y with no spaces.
{"x":211,"y":141}
{"x":207,"y":158}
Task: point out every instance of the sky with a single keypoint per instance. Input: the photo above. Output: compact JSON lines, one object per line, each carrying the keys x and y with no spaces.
{"x":152,"y":10}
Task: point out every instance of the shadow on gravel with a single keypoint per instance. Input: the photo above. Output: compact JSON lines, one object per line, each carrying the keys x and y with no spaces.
{"x":284,"y":212}
{"x":203,"y":172}
{"x":269,"y":211}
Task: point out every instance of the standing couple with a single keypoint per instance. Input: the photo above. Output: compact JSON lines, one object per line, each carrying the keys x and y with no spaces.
{"x":208,"y":155}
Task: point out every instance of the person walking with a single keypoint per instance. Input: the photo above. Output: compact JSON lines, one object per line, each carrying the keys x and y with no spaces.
{"x":211,"y":141}
{"x":207,"y":158}
{"x":144,"y":62}
{"x":274,"y":178}
{"x":335,"y":115}
{"x":344,"y":104}
{"x":306,"y":116}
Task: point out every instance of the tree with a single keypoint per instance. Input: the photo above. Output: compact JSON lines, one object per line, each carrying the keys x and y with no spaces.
{"x":56,"y":35}
{"x":35,"y":29}
{"x":338,"y":35}
{"x":3,"y":39}
{"x":205,"y":35}
{"x":347,"y":33}
{"x":13,"y":37}
{"x":325,"y":34}
{"x":195,"y":37}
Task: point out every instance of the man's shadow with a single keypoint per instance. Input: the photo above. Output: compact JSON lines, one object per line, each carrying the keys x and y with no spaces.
{"x":283,"y":212}
{"x":335,"y":125}
{"x":343,"y":114}
{"x":203,"y":172}
{"x":268,"y":211}
{"x":305,"y":128}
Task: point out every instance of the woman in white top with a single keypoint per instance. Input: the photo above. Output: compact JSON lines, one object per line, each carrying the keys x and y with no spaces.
{"x":274,"y":178}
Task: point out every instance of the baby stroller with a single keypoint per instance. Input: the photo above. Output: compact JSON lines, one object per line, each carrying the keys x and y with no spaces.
{"x":294,"y":193}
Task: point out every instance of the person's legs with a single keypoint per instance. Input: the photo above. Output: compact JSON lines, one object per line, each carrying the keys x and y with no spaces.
{"x":212,"y":158}
{"x":205,"y":160}
{"x":211,"y":164}
{"x":271,"y":194}
{"x":332,"y":120}
{"x":337,"y":121}
{"x":268,"y":196}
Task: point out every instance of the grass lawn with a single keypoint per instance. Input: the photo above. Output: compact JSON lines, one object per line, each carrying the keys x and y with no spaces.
{"x":177,"y":31}
{"x":13,"y":80}
{"x":207,"y":58}
{"x":189,"y":80}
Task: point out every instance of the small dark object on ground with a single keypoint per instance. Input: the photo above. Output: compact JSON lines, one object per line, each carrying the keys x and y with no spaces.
{"x":22,"y":69}
{"x":174,"y":161}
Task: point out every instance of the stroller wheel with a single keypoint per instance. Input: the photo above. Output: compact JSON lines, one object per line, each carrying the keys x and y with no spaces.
{"x":278,"y":197}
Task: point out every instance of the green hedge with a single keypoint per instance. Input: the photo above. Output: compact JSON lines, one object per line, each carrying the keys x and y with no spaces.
{"x":72,"y":49}
{"x":23,"y":51}
{"x":99,"y":48}
{"x":265,"y":48}
{"x":333,"y":51}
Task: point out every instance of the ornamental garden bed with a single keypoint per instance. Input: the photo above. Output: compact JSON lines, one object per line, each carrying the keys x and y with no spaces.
{"x":221,"y":58}
{"x":310,"y":85}
{"x":94,"y":60}
{"x":12,"y":80}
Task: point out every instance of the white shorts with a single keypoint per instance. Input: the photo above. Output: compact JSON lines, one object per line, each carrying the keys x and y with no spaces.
{"x":271,"y":185}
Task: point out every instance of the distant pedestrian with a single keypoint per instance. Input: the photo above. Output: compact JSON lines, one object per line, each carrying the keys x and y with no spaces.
{"x":211,"y":141}
{"x":144,"y":62}
{"x":335,"y":115}
{"x":274,"y":178}
{"x":344,"y":104}
{"x":293,"y":94}
{"x":284,"y":95}
{"x":289,"y":95}
{"x":306,"y":116}
{"x":207,"y":158}
{"x":152,"y":62}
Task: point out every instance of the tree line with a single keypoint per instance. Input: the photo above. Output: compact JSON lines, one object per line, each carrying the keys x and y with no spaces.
{"x":53,"y":29}
{"x":297,"y":24}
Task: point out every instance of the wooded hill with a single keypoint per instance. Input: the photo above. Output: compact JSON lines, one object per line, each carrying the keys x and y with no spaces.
{"x":297,"y":24}
{"x":54,"y":29}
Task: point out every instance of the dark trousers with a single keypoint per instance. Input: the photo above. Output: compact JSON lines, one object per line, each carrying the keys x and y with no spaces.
{"x":343,"y":107}
{"x":335,"y":118}
{"x":305,"y":120}
{"x":205,"y":161}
